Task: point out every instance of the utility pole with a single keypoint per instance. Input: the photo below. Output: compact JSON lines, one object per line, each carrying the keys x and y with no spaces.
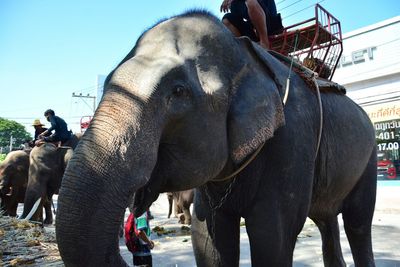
{"x":87,"y":96}
{"x":11,"y":142}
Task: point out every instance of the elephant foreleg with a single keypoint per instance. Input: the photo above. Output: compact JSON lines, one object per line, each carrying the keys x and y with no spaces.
{"x":188,"y":217}
{"x":6,"y":205}
{"x":177,"y":209}
{"x":48,"y":212}
{"x":331,"y":248}
{"x":225,"y":231}
{"x":272,"y":234}
{"x":170,"y":202}
{"x":12,"y":205}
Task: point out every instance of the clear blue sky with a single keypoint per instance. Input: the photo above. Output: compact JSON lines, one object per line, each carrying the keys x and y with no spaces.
{"x":50,"y":49}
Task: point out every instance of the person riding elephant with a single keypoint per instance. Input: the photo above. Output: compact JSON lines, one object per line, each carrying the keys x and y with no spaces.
{"x":39,"y":129}
{"x":60,"y":127}
{"x":14,"y":172}
{"x":47,"y":165}
{"x":256,"y":19}
{"x":181,"y":112}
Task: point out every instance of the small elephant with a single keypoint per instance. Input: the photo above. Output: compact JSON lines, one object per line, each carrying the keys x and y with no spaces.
{"x":13,"y":180}
{"x":186,"y":108}
{"x":47,"y":165}
{"x":182,"y":200}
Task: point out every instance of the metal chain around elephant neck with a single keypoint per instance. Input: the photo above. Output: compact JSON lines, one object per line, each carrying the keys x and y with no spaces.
{"x":228,"y":190}
{"x":214,"y":209}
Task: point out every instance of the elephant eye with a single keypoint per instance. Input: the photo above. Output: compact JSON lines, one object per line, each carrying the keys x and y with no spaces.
{"x":180,"y":91}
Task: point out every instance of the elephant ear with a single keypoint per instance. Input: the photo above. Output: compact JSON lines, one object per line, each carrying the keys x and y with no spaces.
{"x":256,"y":108}
{"x":65,"y":154}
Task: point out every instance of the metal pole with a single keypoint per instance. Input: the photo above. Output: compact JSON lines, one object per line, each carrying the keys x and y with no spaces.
{"x":86,"y":96}
{"x":11,"y":141}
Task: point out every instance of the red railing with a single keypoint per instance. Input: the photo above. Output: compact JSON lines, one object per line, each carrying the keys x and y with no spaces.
{"x":316,"y":42}
{"x":84,"y":122}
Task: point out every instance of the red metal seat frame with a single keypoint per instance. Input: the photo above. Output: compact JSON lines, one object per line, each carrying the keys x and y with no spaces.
{"x":319,"y":38}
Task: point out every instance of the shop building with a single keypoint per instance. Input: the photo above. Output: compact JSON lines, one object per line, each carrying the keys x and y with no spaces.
{"x":370,"y":70}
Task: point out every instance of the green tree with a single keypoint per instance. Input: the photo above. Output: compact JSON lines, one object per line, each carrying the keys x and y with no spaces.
{"x":12,"y":128}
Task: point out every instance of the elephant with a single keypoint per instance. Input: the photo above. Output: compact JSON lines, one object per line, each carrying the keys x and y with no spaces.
{"x":73,"y":141}
{"x":182,"y":200}
{"x":187,"y":107}
{"x":46,"y":168}
{"x":13,"y":180}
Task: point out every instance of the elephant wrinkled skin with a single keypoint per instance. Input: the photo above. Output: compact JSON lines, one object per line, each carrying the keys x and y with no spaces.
{"x":14,"y":173}
{"x":186,"y":107}
{"x":47,"y":165}
{"x":13,"y":180}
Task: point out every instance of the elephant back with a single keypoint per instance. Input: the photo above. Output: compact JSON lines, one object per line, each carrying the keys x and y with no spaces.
{"x":74,"y":140}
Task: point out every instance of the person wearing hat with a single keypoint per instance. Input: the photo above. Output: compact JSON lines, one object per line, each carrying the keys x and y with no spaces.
{"x":58,"y":125}
{"x":38,"y":130}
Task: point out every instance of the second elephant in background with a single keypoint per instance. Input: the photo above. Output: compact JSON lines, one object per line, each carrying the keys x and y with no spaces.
{"x":46,"y":169}
{"x":182,"y":201}
{"x":13,"y":181}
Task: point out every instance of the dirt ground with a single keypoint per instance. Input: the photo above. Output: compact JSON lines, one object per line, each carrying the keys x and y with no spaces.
{"x":175,"y":249}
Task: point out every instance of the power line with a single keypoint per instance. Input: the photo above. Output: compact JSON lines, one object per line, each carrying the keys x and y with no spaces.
{"x":290,"y":5}
{"x":82,"y":97}
{"x":280,"y":2}
{"x":310,"y":6}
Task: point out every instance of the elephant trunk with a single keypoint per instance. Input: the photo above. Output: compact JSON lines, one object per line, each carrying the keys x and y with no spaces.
{"x":113,"y":160}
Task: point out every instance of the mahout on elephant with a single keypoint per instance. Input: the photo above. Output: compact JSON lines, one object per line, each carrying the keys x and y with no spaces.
{"x":38,"y":126}
{"x":181,"y":201}
{"x":187,"y":107}
{"x":46,"y":168}
{"x":59,"y":126}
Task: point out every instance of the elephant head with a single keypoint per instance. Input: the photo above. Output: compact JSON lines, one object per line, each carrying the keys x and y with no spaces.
{"x":13,"y":180}
{"x":47,"y":166}
{"x":186,"y":102}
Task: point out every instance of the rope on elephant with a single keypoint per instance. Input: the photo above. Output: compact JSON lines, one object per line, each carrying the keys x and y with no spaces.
{"x":321,"y":118}
{"x":286,"y":95}
{"x":308,"y":75}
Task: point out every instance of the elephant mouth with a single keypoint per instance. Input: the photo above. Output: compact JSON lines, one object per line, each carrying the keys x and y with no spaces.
{"x":145,"y":196}
{"x":142,"y":201}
